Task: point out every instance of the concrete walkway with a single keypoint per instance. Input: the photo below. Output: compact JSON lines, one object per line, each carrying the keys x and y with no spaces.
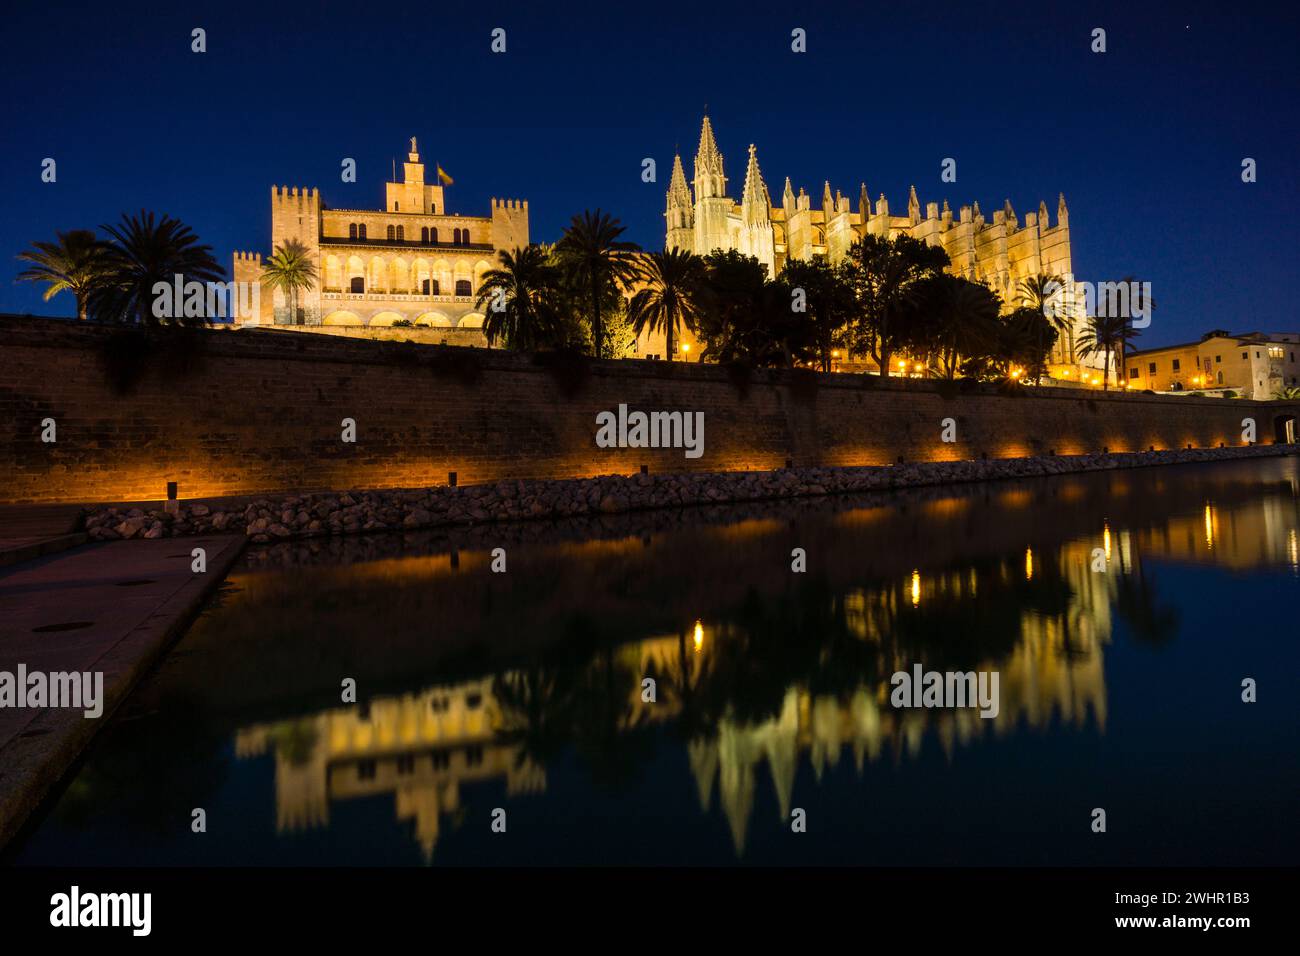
{"x":30,"y":531}
{"x":112,"y":607}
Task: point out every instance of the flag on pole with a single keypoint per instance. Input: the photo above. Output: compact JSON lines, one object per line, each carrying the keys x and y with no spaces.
{"x":443,"y":178}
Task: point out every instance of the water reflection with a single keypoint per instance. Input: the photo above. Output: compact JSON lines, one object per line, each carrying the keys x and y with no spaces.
{"x":470,"y":678}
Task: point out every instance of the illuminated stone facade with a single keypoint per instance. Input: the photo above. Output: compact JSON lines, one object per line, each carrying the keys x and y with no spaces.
{"x":413,"y":261}
{"x":1001,"y":252}
{"x":1253,"y":365}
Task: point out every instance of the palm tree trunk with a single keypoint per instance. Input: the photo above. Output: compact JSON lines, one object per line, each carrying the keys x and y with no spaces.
{"x":595,"y":317}
{"x":669,"y":321}
{"x":81,"y":307}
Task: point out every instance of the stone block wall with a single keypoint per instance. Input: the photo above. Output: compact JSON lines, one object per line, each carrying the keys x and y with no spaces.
{"x":260,"y":410}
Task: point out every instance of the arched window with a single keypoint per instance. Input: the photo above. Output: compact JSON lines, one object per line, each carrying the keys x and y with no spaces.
{"x":394,"y":207}
{"x":392,"y":233}
{"x":361,"y":231}
{"x":401,"y":233}
{"x":358,"y":284}
{"x":424,"y":233}
{"x":464,"y":237}
{"x":433,"y":209}
{"x":463,"y":287}
{"x":455,"y":236}
{"x":352,"y":230}
{"x":433,"y":235}
{"x":1220,"y":378}
{"x":424,"y":286}
{"x":437,"y":289}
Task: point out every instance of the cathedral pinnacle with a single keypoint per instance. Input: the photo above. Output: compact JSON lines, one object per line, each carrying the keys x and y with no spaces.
{"x":709,"y":179}
{"x":755,"y":201}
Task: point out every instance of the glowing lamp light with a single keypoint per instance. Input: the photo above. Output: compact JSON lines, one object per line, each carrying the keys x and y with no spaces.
{"x":699,"y":636}
{"x":916,"y":588}
{"x":1029,"y":564}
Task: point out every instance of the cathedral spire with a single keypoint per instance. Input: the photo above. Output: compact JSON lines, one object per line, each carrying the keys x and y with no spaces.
{"x":913,"y":207}
{"x":787,"y":198}
{"x":709,"y":179}
{"x":679,"y":193}
{"x":755,"y":202}
{"x":828,"y":204}
{"x":1062,"y":214}
{"x":864,"y":203}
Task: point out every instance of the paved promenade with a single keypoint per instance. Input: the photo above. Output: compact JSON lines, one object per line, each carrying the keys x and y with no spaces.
{"x":110,"y":607}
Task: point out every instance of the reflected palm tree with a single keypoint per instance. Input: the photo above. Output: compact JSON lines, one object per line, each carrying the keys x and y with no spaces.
{"x":606,"y":724}
{"x":1140,"y":608}
{"x":536,"y":704}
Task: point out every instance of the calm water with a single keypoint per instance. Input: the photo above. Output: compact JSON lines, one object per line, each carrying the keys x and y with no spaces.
{"x":1120,"y":689}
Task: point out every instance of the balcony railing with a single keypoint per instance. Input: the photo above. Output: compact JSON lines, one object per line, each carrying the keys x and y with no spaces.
{"x":407,"y":244}
{"x":373,"y":296}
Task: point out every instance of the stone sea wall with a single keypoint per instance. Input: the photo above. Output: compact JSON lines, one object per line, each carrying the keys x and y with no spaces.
{"x":312,"y":515}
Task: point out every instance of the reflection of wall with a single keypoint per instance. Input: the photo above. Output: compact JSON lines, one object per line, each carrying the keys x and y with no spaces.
{"x":424,"y":747}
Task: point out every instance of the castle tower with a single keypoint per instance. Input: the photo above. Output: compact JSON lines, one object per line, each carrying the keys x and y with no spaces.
{"x":413,"y":194}
{"x":755,"y":213}
{"x":296,"y":216}
{"x":679,"y":212}
{"x":711,"y":202}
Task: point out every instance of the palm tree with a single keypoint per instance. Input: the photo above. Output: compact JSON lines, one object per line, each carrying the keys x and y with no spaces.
{"x":957,"y":318}
{"x":142,"y":252}
{"x":1042,"y":294}
{"x":596,"y":260}
{"x":1106,"y":335}
{"x":672,"y":297}
{"x":1139,"y":301}
{"x":74,"y":261}
{"x":524,"y":286}
{"x":1287,"y":392}
{"x":291,"y":270}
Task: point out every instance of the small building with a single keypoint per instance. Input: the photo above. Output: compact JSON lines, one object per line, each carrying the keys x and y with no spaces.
{"x":413,"y":262}
{"x":1255,"y":365}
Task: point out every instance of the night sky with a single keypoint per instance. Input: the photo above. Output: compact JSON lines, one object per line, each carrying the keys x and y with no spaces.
{"x":1146,"y":140}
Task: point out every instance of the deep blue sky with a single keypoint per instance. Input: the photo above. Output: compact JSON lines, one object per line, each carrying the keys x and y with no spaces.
{"x":1146,"y":140}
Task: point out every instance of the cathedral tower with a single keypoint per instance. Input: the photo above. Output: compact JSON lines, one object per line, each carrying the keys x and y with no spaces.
{"x":711,"y":202}
{"x":679,"y":212}
{"x":756,"y":238}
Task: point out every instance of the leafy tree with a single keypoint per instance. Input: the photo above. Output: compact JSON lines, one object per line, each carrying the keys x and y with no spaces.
{"x":884,"y":273}
{"x":291,"y":270}
{"x":747,"y":318}
{"x":597,"y":261}
{"x":74,"y":261}
{"x":951,"y":320}
{"x":828,"y":292}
